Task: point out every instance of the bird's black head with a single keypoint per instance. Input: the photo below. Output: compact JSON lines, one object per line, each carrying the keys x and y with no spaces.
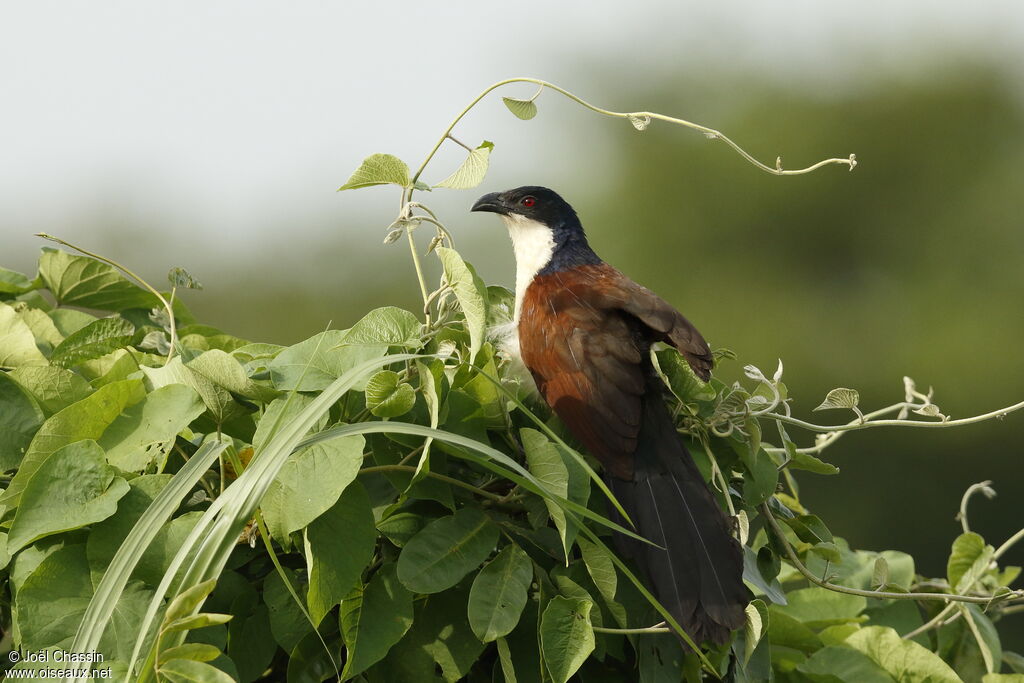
{"x":531,"y":201}
{"x":545,"y":230}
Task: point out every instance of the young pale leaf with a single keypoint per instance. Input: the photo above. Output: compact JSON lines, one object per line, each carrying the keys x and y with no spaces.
{"x":144,"y":429}
{"x":840,"y":398}
{"x":471,"y":293}
{"x":13,"y":282}
{"x":445,"y":550}
{"x":547,"y":466}
{"x":17,"y":343}
{"x":197,"y":652}
{"x":472,"y":171}
{"x":640,"y":122}
{"x":566,"y":636}
{"x":53,"y":388}
{"x":600,"y":567}
{"x":985,"y":636}
{"x":523,"y":109}
{"x":389,"y":325}
{"x":499,"y":594}
{"x":82,"y":281}
{"x":388,"y":396}
{"x":179,"y":277}
{"x":373,"y":619}
{"x":880,"y":574}
{"x":968,"y":560}
{"x":312,"y":365}
{"x":379,"y":169}
{"x":505,"y":658}
{"x":755,"y":627}
{"x":192,"y":671}
{"x":72,"y":488}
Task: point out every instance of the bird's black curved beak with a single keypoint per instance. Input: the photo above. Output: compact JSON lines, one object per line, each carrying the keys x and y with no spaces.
{"x":491,"y":202}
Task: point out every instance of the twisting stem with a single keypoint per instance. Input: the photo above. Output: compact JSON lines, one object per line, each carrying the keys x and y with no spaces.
{"x":1010,"y":542}
{"x":971,"y":490}
{"x":886,"y":595}
{"x":640,"y":115}
{"x":143,"y":283}
{"x":857,"y":424}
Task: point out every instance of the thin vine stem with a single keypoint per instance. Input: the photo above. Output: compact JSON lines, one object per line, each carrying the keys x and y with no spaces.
{"x":434,"y":475}
{"x":858,"y":424}
{"x":129,"y":273}
{"x":641,"y":116}
{"x":885,"y":595}
{"x":632,"y":631}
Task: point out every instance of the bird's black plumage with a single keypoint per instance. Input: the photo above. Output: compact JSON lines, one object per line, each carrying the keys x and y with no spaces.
{"x":585,"y":332}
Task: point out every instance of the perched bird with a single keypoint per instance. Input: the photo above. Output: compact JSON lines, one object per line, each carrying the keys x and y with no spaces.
{"x":584,"y":332}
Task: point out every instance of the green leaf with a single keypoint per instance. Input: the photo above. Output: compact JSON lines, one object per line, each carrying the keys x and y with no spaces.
{"x":96,"y":339}
{"x":840,"y":398}
{"x":985,"y":635}
{"x":68,"y":320}
{"x":310,"y":483}
{"x":20,"y":418}
{"x":440,"y":637}
{"x":82,"y":281}
{"x":817,"y":607}
{"x":52,"y":599}
{"x":523,"y":109}
{"x":72,"y":488}
{"x":755,"y":627}
{"x":1002,"y":678}
{"x":13,"y":282}
{"x":224,"y":370}
{"x":379,"y":169}
{"x":194,"y":621}
{"x":191,"y":671}
{"x":313,"y":364}
{"x":388,"y":396}
{"x":472,"y":171}
{"x":188,"y":601}
{"x":805,"y":461}
{"x":287,"y":622}
{"x":339,"y":544}
{"x":446,"y":550}
{"x":53,"y":388}
{"x":880,"y":574}
{"x":837,"y":664}
{"x":179,"y":277}
{"x":763,"y":479}
{"x":505,"y":659}
{"x":216,"y":398}
{"x":87,"y":419}
{"x":373,"y":619}
{"x":547,"y":465}
{"x":968,"y":560}
{"x":146,"y":429}
{"x":499,"y":593}
{"x":471,"y":294}
{"x":566,"y":636}
{"x":388,"y":326}
{"x":600,"y":566}
{"x":41,"y":325}
{"x":400,"y":527}
{"x":198,"y":652}
{"x":17,"y":343}
{"x":904,"y":660}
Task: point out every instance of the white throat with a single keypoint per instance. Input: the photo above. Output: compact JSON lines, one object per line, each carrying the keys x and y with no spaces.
{"x":533,"y":244}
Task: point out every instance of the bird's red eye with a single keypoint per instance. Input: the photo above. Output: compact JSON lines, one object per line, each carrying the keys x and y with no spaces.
{"x":528,"y":202}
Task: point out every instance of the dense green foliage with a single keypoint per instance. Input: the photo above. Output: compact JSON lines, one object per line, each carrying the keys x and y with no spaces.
{"x":391,"y":501}
{"x":477,"y":550}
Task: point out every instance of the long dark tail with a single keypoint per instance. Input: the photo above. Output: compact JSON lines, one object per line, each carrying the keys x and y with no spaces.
{"x":698,"y":576}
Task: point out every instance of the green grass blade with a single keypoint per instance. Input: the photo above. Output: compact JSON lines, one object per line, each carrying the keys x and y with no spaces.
{"x":108,"y":592}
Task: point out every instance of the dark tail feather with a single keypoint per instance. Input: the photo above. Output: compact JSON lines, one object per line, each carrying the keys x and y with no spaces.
{"x":698,"y":576}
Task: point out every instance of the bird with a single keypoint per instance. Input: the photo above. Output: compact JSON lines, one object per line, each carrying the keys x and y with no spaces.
{"x":585,"y":331}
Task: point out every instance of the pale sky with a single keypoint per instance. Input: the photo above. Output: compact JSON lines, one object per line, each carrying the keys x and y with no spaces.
{"x":224,"y":120}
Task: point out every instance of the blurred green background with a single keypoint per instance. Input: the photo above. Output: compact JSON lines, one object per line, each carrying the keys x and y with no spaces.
{"x":222,"y":158}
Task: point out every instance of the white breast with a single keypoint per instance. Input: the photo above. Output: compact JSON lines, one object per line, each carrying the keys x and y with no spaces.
{"x":533,"y":244}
